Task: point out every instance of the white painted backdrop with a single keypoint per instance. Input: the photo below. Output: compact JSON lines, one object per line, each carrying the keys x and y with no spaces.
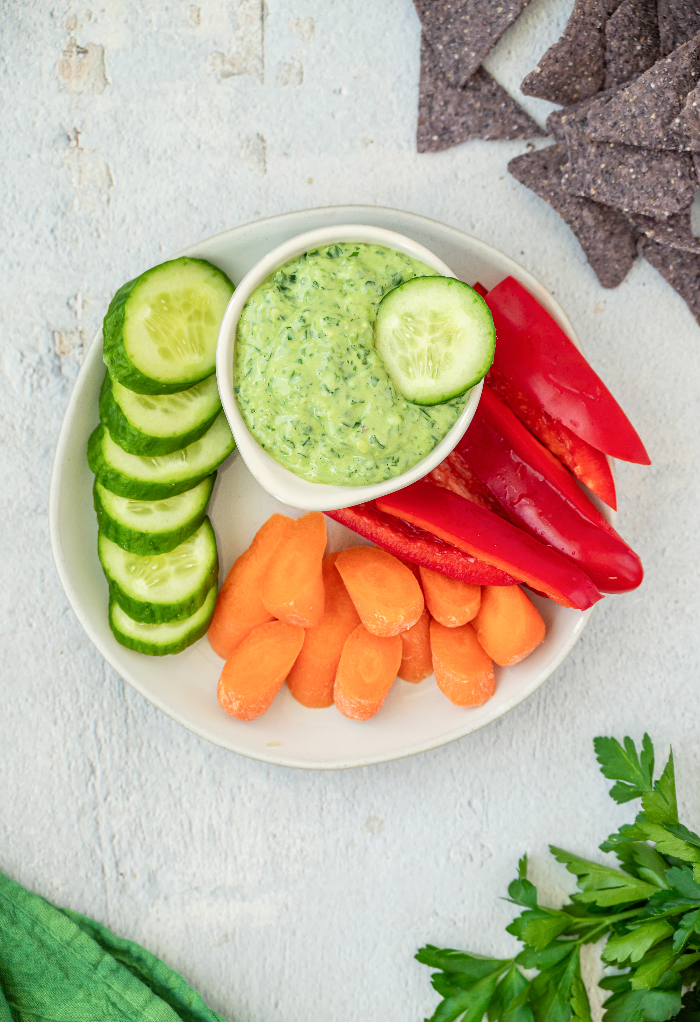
{"x":129,"y":131}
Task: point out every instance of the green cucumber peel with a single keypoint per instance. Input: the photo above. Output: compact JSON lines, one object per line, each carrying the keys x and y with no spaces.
{"x":156,"y":614}
{"x":136,"y":441}
{"x":169,"y":521}
{"x":154,"y":589}
{"x":142,"y":478}
{"x":436,"y":338}
{"x":164,"y":639}
{"x":131,"y":342}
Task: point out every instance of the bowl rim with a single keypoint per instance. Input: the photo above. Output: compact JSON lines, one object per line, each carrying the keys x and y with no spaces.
{"x":279,"y":481}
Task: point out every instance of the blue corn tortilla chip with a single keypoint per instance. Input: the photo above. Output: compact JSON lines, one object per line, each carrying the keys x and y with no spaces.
{"x":689,"y":118}
{"x":679,"y":21}
{"x":680,"y":269}
{"x":574,"y":68}
{"x":482,"y":109}
{"x":646,"y":112}
{"x":676,"y":232}
{"x":462,"y":32}
{"x":654,"y":182}
{"x":605,"y":235}
{"x":558,"y":118}
{"x":631,"y":41}
{"x":556,"y":122}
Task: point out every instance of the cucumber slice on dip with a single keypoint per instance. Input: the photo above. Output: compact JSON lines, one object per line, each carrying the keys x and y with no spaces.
{"x":436,"y":338}
{"x":160,"y":330}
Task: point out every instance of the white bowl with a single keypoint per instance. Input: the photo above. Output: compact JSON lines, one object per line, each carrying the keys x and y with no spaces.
{"x":415,"y":717}
{"x":279,"y":481}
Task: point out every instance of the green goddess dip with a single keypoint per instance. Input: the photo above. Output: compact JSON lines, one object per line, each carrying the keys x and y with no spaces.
{"x":311,"y":387}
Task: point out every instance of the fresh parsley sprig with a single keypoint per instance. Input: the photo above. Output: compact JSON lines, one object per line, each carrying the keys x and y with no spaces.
{"x":649,"y":909}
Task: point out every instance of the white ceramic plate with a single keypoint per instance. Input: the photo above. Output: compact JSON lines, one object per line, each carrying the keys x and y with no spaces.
{"x":415,"y":717}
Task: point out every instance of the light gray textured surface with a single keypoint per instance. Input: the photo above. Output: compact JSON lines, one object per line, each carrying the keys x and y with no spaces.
{"x":130,"y":131}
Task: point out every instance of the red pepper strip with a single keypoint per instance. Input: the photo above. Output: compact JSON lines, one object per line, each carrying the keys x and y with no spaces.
{"x":534,"y":354}
{"x":587,"y":464}
{"x":542,"y":498}
{"x":454,"y":474}
{"x":484,"y":535}
{"x":480,"y":289}
{"x":418,"y":546}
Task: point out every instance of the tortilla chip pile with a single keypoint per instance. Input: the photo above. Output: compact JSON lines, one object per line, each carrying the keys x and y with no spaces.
{"x":624,"y":169}
{"x":459,"y":100}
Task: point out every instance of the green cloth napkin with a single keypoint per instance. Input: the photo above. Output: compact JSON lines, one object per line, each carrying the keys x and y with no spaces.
{"x":59,"y":966}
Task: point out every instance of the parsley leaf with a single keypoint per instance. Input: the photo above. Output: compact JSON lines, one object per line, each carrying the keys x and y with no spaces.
{"x":654,"y":964}
{"x":521,"y":891}
{"x":639,"y":859}
{"x":678,"y":830}
{"x":469,"y":967}
{"x":635,"y":943}
{"x":634,"y":773}
{"x":547,"y":958}
{"x":600,"y":884}
{"x":578,"y":998}
{"x":538,"y":927}
{"x":627,"y":833}
{"x":638,"y":1005}
{"x":687,"y":926}
{"x":667,"y":843}
{"x":466,"y":1005}
{"x":659,"y":805}
{"x":650,"y":865}
{"x":551,"y":992}
{"x":510,"y":998}
{"x":681,"y":879}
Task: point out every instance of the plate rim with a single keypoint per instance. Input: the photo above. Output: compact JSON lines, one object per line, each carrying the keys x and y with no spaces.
{"x":276,"y":759}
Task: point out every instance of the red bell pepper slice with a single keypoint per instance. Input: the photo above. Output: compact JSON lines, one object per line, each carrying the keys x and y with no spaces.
{"x":537,"y":358}
{"x":480,"y":289}
{"x":587,"y":463}
{"x":542,"y":498}
{"x":418,"y":545}
{"x":454,"y":474}
{"x":484,"y":535}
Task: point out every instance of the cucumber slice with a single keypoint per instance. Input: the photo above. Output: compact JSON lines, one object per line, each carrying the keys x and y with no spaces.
{"x":162,"y":587}
{"x":159,"y":640}
{"x":436,"y":338}
{"x":160,"y":330}
{"x":156,"y":424}
{"x":130,"y":475}
{"x":152,"y":526}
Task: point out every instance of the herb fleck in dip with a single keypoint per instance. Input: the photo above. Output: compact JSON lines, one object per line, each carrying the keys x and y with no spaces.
{"x":311,"y":387}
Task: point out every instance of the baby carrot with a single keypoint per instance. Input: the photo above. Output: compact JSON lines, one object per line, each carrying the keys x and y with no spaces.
{"x":385,"y":592}
{"x":292,"y":586}
{"x":312,"y":677}
{"x":509,"y":626}
{"x":450,"y":601}
{"x":255,"y":671}
{"x":366,"y":672}
{"x":416,"y":658}
{"x":463,"y":670}
{"x":239,"y":606}
{"x":413,"y":568}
